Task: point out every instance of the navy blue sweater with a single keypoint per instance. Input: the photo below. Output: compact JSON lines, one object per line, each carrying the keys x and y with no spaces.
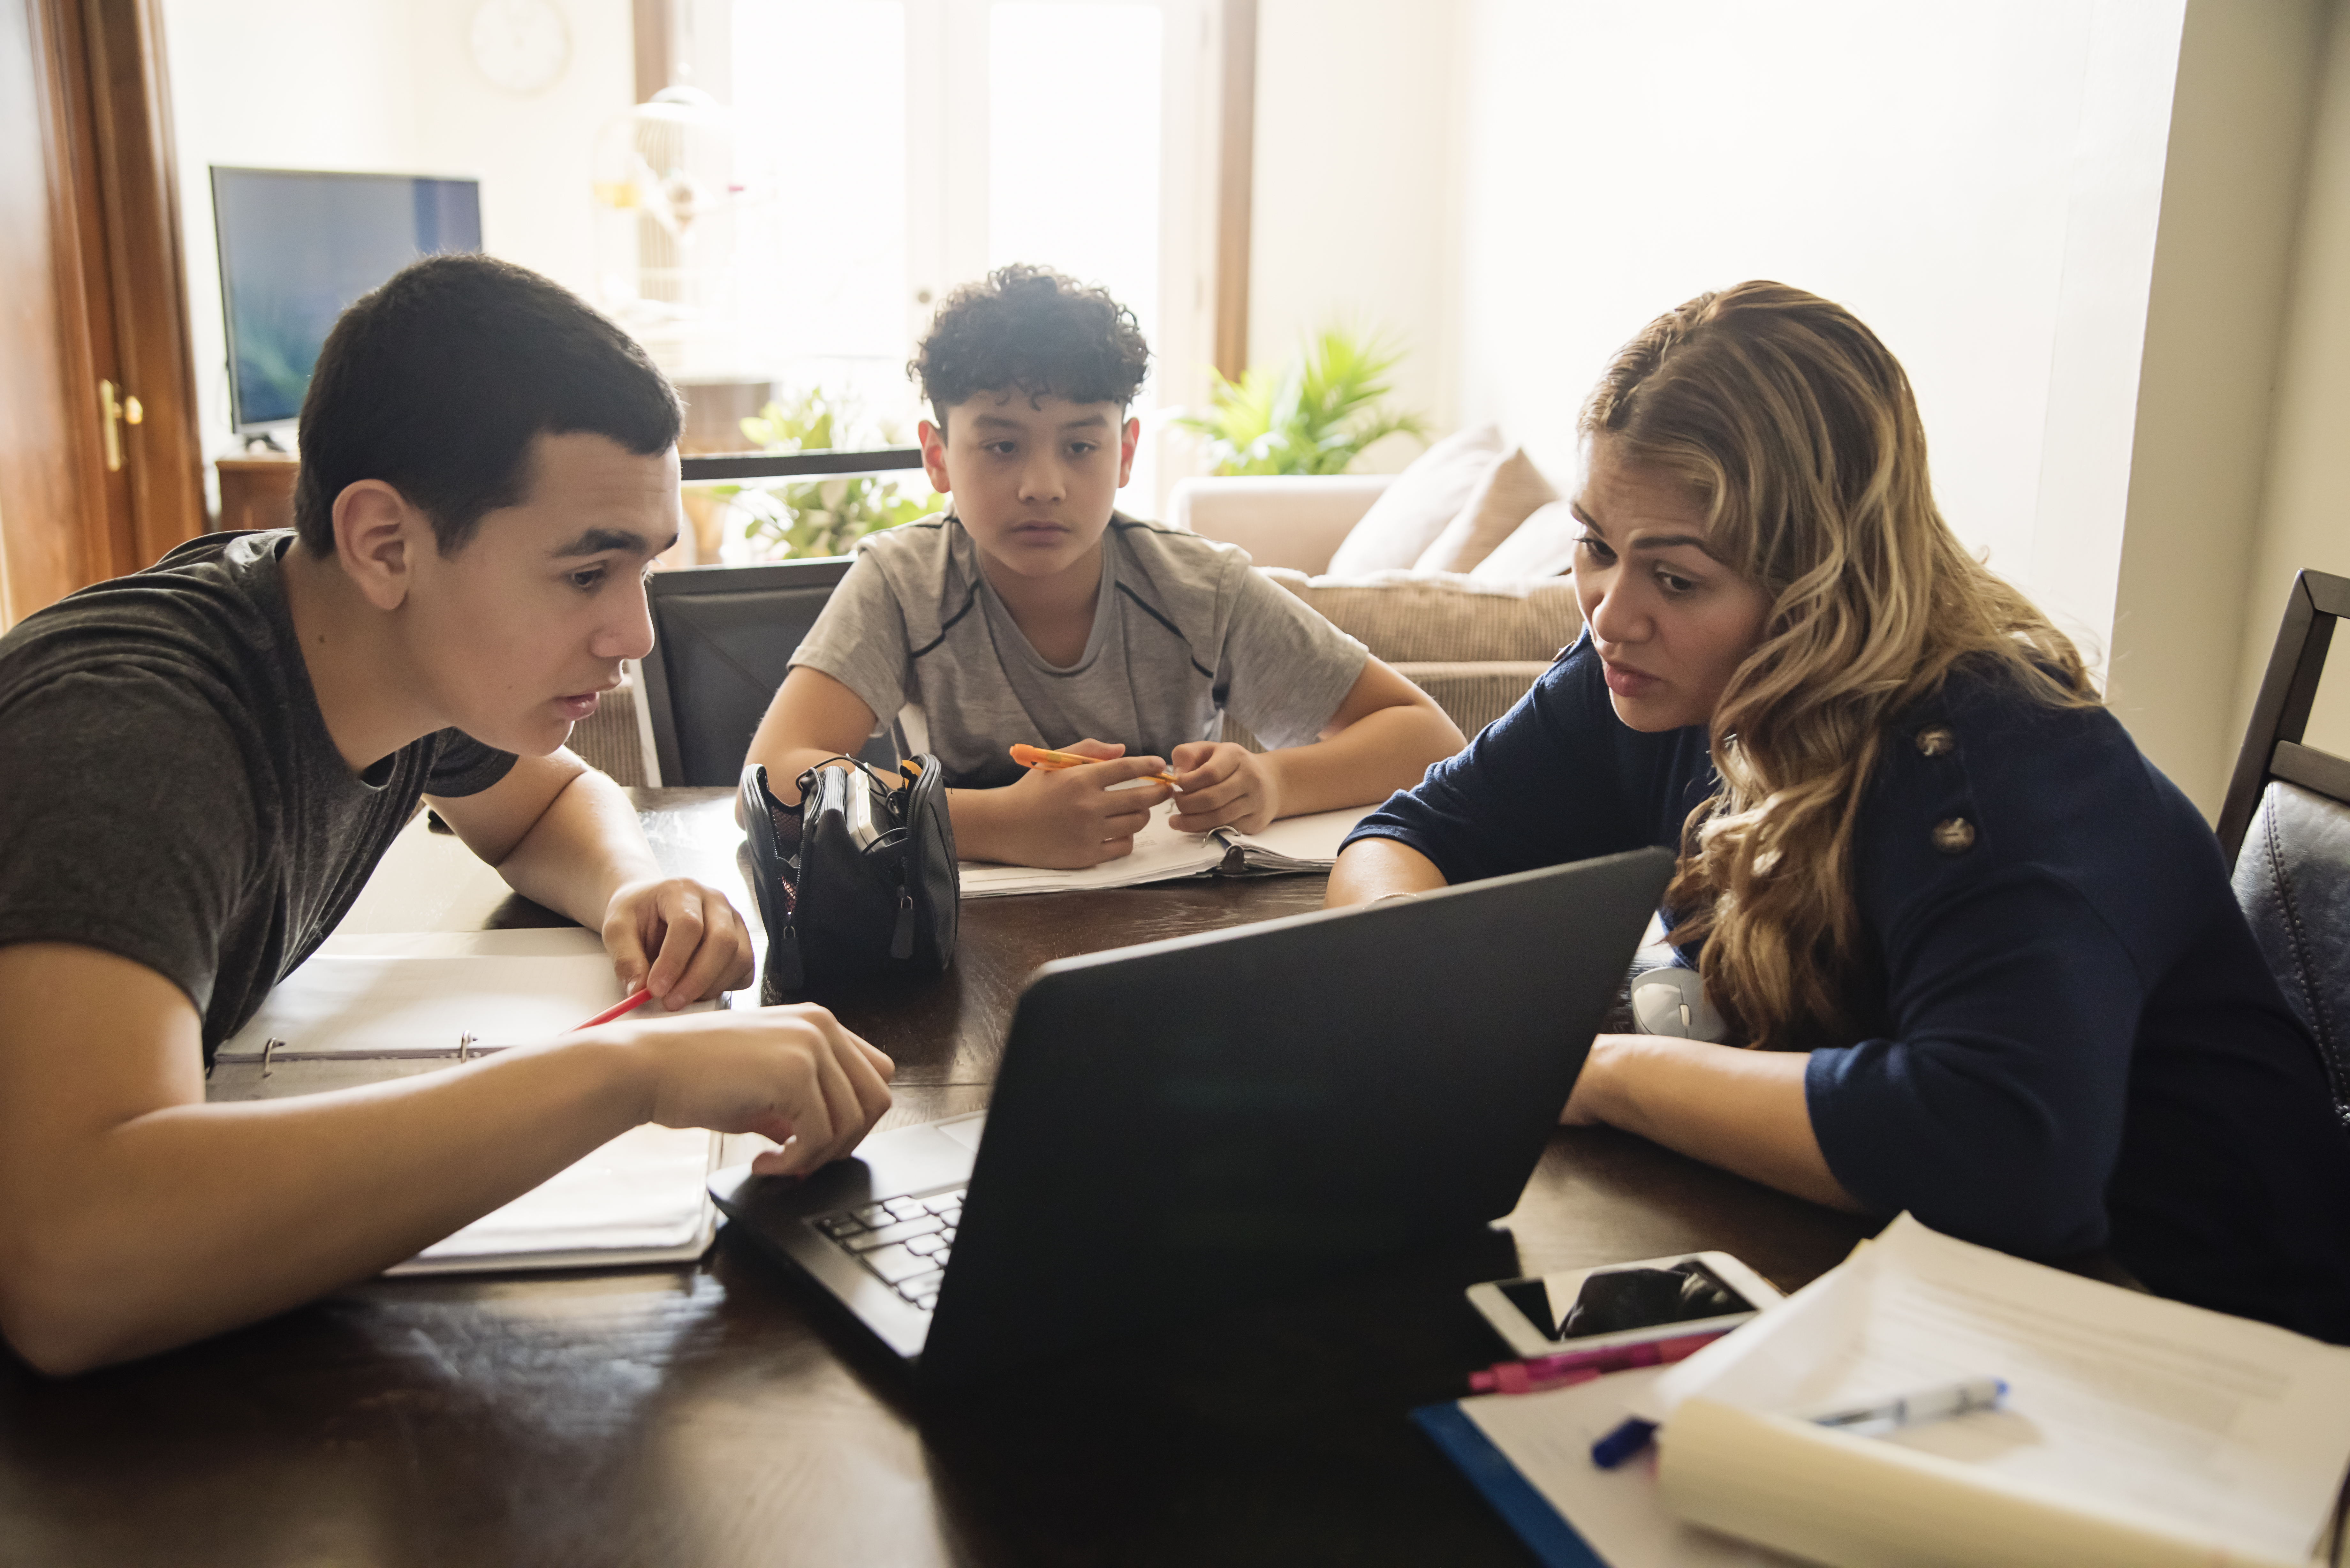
{"x":2076,"y":1043}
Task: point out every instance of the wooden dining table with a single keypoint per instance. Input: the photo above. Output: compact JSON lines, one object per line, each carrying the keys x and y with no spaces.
{"x":719,"y":1414}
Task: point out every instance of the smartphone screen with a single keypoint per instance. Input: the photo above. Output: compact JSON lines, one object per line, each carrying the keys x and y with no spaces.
{"x":1612,"y":1301}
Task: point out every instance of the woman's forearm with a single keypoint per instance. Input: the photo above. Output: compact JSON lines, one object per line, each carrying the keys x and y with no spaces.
{"x":1372,"y":868}
{"x":1744,"y":1111}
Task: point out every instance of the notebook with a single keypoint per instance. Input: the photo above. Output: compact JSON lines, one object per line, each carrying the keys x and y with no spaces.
{"x":1161,"y":854}
{"x":2136,"y":1431}
{"x":640,"y":1199}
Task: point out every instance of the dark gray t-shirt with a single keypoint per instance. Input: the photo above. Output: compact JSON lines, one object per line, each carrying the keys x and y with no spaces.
{"x":168,"y":788}
{"x":1185,"y":630}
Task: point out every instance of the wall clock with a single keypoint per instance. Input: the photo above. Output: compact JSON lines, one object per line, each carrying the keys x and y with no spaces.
{"x":521,"y":46}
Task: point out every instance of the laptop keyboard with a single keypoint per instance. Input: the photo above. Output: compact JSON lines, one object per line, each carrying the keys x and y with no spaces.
{"x":904,"y":1243}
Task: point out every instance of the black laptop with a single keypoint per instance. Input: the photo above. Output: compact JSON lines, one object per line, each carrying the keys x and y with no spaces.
{"x":1189,"y":1124}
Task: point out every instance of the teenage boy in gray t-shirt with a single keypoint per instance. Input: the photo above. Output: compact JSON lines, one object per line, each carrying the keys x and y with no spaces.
{"x":201,"y":762}
{"x":1033,"y":612}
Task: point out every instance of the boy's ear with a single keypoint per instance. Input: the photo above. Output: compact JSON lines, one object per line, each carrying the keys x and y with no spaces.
{"x":1127,"y":440}
{"x":377,"y":534}
{"x":934,"y":456}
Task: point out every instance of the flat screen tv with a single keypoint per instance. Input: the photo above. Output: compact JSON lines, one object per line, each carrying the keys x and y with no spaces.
{"x":295,"y":247}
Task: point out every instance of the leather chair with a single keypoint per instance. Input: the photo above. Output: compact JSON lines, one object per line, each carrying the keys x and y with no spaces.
{"x":2286,"y":824}
{"x":723,"y":636}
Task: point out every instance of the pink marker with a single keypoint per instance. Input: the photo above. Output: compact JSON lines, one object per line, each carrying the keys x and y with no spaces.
{"x":1572,"y":1366}
{"x":621,"y":1009}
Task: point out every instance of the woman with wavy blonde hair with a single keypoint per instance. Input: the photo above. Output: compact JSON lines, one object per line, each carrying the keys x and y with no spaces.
{"x":1984,"y":957}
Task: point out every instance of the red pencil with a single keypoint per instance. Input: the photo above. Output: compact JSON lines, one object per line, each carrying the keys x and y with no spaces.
{"x":620,"y":1008}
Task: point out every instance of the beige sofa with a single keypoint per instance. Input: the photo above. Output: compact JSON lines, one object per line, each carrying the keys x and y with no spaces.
{"x":1475,"y":645}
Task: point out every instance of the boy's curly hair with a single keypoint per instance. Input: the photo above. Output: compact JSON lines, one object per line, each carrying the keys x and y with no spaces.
{"x":1034,"y":331}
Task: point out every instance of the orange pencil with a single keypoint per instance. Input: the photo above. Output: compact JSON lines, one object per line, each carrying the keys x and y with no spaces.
{"x":1038,"y":757}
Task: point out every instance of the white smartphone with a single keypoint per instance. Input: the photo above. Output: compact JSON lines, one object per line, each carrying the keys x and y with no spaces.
{"x":1622,"y":1303}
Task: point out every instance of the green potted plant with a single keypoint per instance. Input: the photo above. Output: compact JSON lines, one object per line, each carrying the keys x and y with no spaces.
{"x":1316,"y":415}
{"x":811,"y":517}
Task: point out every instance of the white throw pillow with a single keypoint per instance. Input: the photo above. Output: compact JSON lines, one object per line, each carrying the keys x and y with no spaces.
{"x":1542,"y":547}
{"x":1504,"y":498}
{"x":1410,"y":513}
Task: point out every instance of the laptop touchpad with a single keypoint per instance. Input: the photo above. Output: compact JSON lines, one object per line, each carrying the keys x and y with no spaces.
{"x":964,"y":1130}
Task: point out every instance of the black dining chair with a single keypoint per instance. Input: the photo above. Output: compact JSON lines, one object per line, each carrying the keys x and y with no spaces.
{"x":723,"y":638}
{"x":2286,"y":825}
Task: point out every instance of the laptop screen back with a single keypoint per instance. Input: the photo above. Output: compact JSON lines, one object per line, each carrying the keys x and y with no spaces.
{"x":1193,"y":1122}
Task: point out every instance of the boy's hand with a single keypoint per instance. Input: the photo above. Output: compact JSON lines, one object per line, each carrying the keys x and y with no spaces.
{"x":1070,"y":818}
{"x":792,"y":1074}
{"x":676,"y":937}
{"x":1225,"y":785}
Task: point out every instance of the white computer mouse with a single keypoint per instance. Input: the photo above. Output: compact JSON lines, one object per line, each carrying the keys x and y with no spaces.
{"x":1672,"y":1001}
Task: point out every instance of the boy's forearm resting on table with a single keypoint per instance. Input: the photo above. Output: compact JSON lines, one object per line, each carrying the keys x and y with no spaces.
{"x":567,"y":837}
{"x":134,"y":1216}
{"x":582,"y":846}
{"x":1744,"y":1111}
{"x":1384,"y":751}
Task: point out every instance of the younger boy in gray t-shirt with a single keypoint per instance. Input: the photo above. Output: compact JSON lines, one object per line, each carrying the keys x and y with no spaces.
{"x":1032,"y":612}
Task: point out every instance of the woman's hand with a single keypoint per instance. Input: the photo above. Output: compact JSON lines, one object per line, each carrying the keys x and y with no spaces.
{"x":1225,"y":785}
{"x":676,"y":937}
{"x":792,"y":1074}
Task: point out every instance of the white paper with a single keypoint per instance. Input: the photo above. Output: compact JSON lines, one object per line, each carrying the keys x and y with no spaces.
{"x":1305,"y":841}
{"x":1549,"y":1437}
{"x":643,"y":1192}
{"x":1161,"y":854}
{"x":418,"y":994}
{"x":2214,"y":1424}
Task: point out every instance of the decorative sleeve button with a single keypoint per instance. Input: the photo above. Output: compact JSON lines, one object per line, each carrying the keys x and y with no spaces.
{"x":1936,"y":741}
{"x":1954,"y":836}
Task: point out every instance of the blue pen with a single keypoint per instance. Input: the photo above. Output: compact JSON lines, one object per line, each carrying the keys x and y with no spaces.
{"x":1936,"y":1404}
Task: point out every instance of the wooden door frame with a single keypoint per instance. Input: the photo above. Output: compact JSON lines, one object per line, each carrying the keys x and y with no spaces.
{"x":147,"y":274}
{"x":96,"y":289}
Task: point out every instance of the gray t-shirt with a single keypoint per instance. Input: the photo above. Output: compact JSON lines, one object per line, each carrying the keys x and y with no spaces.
{"x":1185,"y":630}
{"x":169,"y":791}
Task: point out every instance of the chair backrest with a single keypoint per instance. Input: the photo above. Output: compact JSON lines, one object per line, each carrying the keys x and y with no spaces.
{"x":2286,"y":824}
{"x":723,"y":638}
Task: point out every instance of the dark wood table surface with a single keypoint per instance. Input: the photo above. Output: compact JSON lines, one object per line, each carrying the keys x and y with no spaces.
{"x":717,"y":1415}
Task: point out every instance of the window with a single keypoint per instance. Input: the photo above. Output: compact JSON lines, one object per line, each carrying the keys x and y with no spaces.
{"x":890,"y":150}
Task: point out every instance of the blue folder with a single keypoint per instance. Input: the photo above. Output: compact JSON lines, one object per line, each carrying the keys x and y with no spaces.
{"x":1525,"y":1510}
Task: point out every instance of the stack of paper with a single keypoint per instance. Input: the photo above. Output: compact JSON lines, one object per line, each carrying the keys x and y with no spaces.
{"x":1161,"y":854}
{"x":2135,"y":1431}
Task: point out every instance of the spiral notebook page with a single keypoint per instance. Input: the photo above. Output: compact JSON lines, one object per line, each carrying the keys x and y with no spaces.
{"x":419,"y":997}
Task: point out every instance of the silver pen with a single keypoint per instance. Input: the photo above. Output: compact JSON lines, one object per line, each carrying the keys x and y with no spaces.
{"x":1938,"y":1403}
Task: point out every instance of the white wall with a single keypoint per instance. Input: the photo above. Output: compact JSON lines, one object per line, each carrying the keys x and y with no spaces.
{"x":384,"y":86}
{"x":1354,"y":204}
{"x":2231,"y":199}
{"x":2305,"y":506}
{"x":1958,"y":176}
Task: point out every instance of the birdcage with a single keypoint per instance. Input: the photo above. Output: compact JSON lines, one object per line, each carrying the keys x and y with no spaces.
{"x":667,"y":200}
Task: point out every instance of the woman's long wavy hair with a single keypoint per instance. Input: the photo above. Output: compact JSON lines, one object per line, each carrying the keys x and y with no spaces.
{"x":1797,"y":432}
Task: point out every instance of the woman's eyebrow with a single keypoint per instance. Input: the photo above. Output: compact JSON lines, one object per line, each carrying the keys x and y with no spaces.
{"x":1654,"y":542}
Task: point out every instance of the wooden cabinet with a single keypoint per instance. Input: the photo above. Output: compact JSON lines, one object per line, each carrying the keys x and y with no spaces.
{"x":257,"y":490}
